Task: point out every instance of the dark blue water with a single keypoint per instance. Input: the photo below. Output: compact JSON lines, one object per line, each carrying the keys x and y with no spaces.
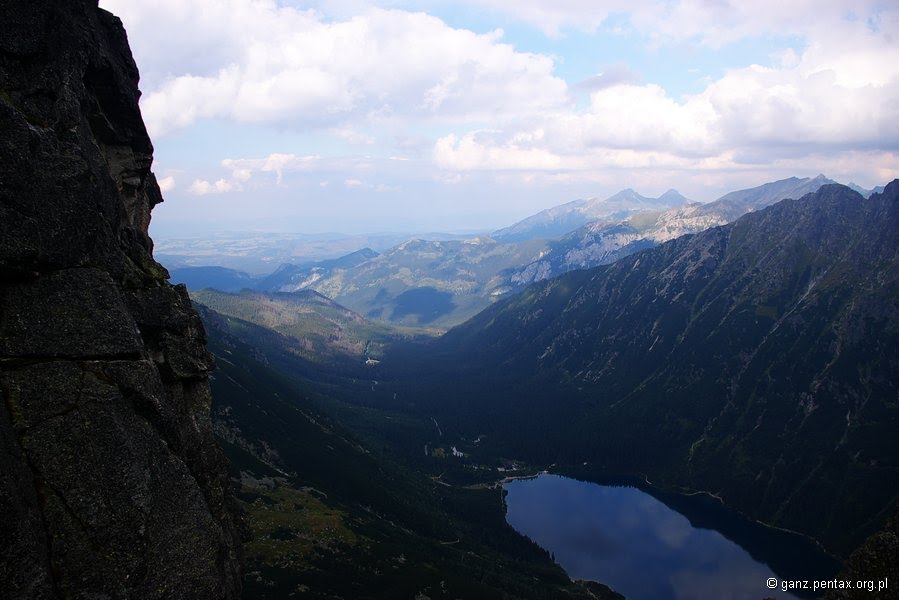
{"x":644,"y":549}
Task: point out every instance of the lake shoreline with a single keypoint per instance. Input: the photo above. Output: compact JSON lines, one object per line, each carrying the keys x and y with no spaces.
{"x":600,"y":520}
{"x":661,"y":492}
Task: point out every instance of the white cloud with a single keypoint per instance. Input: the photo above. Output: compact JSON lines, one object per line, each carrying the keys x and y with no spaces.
{"x":242,"y":168}
{"x":637,"y":118}
{"x":280,"y":64}
{"x":166,"y":184}
{"x":353,"y":183}
{"x":240,"y":171}
{"x":835,"y":99}
{"x":553,"y":17}
{"x":713,"y":23}
{"x":611,"y":75}
{"x":201,"y":187}
{"x":352,"y":136}
{"x":716,"y":24}
{"x":481,"y":150}
{"x":397,"y":82}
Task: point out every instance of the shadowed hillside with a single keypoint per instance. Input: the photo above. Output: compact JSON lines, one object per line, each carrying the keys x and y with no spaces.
{"x":757,"y":361}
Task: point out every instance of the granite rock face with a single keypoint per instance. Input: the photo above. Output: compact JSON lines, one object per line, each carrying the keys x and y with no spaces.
{"x":111,"y":484}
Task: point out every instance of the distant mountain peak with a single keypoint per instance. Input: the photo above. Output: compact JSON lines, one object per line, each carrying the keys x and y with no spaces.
{"x":865,"y":191}
{"x":628,"y":193}
{"x":672,"y":193}
{"x":565,"y":218}
{"x":603,"y":242}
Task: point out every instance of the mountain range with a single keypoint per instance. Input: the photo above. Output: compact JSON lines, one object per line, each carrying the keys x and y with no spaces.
{"x":417,"y":283}
{"x":438,"y":284}
{"x":559,"y":220}
{"x":757,"y":361}
{"x":754,"y":362}
{"x":603,"y":242}
{"x":325,"y":331}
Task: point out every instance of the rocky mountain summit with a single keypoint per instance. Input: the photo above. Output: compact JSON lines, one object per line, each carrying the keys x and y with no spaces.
{"x":111,"y":485}
{"x":602,"y":242}
{"x":562,"y":219}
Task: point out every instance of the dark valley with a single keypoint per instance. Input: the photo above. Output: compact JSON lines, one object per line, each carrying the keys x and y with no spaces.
{"x":731,"y":362}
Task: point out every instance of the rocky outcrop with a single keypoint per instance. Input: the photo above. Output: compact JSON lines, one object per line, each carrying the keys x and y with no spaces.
{"x":111,"y":485}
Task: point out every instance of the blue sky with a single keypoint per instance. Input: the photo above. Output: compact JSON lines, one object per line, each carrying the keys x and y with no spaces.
{"x":362,"y":116}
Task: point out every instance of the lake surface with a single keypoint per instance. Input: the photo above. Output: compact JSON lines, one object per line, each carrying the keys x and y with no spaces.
{"x":645,"y":549}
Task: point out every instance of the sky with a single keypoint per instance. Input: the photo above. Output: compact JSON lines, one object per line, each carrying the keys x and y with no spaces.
{"x":364,"y":116}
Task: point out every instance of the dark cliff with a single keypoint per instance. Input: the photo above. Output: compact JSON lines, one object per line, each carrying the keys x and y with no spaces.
{"x":111,"y":485}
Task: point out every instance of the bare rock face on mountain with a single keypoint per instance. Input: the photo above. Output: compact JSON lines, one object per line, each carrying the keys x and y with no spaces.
{"x":111,"y":485}
{"x":604,"y":241}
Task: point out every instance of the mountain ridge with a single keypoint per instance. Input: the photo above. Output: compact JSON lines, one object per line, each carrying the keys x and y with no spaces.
{"x":421,"y":283}
{"x":438,"y":284}
{"x":564,"y":218}
{"x":321,"y":326}
{"x":685,"y":362}
{"x":603,"y":242}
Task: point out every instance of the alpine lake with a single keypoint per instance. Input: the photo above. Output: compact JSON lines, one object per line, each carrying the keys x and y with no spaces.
{"x":662,"y":546}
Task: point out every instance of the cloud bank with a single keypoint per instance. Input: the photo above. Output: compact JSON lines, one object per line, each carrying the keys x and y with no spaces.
{"x":395,"y":79}
{"x":266,"y":63}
